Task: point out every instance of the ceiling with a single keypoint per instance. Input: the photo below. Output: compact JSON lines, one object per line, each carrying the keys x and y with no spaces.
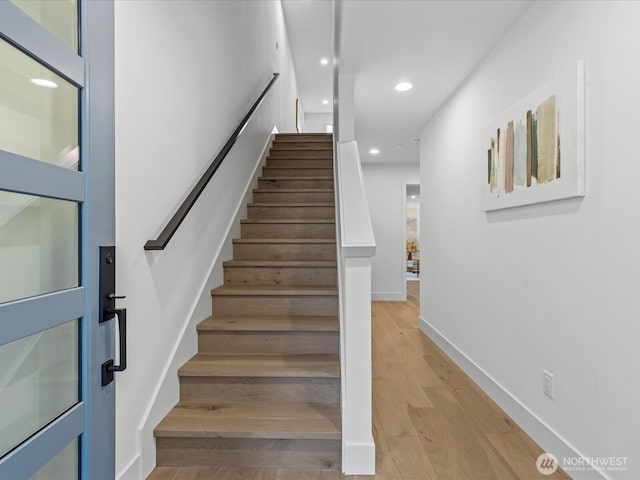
{"x":413,"y":190}
{"x":432,"y":44}
{"x":310,"y":27}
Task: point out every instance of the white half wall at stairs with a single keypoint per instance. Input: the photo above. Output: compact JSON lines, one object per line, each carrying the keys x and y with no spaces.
{"x":356,"y":246}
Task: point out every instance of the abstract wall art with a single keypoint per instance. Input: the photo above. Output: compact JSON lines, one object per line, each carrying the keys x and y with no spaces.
{"x":535,"y":150}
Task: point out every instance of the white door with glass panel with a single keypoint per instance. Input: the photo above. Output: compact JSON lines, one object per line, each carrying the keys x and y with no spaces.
{"x":56,"y":209}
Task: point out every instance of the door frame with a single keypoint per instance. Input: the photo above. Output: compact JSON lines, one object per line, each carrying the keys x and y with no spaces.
{"x":98,"y":228}
{"x":93,"y":187}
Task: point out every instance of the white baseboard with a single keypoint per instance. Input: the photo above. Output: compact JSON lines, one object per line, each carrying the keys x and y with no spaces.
{"x":541,"y":433}
{"x":359,"y":458}
{"x":131,"y":471}
{"x":388,"y":297}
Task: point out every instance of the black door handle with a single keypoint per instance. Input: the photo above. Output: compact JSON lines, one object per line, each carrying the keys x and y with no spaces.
{"x":108,"y":367}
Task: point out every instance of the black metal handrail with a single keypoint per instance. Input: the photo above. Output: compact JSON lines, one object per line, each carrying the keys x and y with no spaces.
{"x":170,"y":229}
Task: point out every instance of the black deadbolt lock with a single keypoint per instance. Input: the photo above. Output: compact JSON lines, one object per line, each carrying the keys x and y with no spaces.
{"x":107,"y":301}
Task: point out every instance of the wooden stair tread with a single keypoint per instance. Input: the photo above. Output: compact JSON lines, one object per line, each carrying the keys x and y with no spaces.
{"x":297,"y":154}
{"x":325,"y":146}
{"x":302,"y":146}
{"x":293,"y":190}
{"x":319,"y":177}
{"x":298,"y":167}
{"x":302,"y":153}
{"x":316,"y":204}
{"x":304,"y":134}
{"x":262,"y":365}
{"x":251,"y":420}
{"x":280,"y":263}
{"x":324,"y":149}
{"x":288,"y":220}
{"x":304,"y":141}
{"x":285,"y":240}
{"x":316,"y":141}
{"x":269,"y":323}
{"x":276,"y":290}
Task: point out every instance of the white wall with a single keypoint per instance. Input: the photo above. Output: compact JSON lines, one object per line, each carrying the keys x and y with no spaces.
{"x":346,"y":127}
{"x":317,"y":122}
{"x":549,"y":286}
{"x":186,"y":74}
{"x":386,"y":193}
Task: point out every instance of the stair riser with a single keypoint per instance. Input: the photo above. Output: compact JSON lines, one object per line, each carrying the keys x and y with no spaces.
{"x":295,"y":251}
{"x":236,"y":389}
{"x":300,"y":154}
{"x":280,"y":276}
{"x":303,"y":138}
{"x":288,"y":230}
{"x":240,"y":452}
{"x":306,"y":162}
{"x":297,"y":144}
{"x":268,"y":342}
{"x":316,"y":213}
{"x":326,"y":146}
{"x":296,"y":172}
{"x":276,"y":305}
{"x":295,"y":183}
{"x":293,"y":197}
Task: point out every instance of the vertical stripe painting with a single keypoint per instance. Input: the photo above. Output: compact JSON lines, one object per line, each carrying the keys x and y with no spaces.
{"x":520,"y":154}
{"x":528,"y":149}
{"x":525,"y":161}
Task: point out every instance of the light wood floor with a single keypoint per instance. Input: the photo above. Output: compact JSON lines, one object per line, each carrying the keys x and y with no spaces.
{"x":413,"y":292}
{"x":431,"y":422}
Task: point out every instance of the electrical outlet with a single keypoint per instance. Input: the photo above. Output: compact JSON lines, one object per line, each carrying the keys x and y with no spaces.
{"x":547,"y":383}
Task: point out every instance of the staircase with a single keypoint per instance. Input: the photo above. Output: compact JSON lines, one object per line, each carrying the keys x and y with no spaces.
{"x":263,"y":389}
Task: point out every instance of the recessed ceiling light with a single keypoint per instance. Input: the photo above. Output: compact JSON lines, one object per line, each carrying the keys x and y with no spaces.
{"x":415,"y":140}
{"x":374,"y":151}
{"x":325,"y":102}
{"x":413,"y":196}
{"x":403,"y":86}
{"x":324,"y":61}
{"x":41,"y":82}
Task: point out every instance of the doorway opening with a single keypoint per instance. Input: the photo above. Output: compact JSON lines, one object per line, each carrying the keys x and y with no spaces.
{"x":412,"y":232}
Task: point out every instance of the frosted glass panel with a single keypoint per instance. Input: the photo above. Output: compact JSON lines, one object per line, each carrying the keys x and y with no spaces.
{"x":63,"y":466}
{"x":38,"y":245}
{"x":38,"y":110}
{"x":38,"y":382}
{"x":59,"y":17}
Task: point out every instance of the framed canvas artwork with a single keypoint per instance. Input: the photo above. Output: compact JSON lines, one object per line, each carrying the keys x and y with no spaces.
{"x":535,"y":150}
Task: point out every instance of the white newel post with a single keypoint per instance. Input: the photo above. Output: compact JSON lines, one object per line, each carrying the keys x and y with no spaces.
{"x":357,"y":246}
{"x":359,"y":448}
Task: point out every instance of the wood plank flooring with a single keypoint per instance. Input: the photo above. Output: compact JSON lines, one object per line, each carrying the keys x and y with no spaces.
{"x":431,"y":422}
{"x":413,"y":292}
